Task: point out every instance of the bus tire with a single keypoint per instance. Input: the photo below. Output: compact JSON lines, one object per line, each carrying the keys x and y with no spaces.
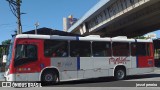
{"x":119,"y":74}
{"x":49,"y":77}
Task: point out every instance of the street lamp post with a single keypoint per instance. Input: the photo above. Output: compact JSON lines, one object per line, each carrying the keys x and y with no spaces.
{"x":36,"y":26}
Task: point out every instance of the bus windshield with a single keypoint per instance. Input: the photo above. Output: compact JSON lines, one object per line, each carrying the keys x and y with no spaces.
{"x":10,"y":53}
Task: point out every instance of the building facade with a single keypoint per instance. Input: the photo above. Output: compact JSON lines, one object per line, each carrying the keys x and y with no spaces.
{"x":68,"y":22}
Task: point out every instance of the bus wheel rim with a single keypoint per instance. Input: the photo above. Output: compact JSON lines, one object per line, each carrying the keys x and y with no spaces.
{"x":48,"y":77}
{"x":120,"y":74}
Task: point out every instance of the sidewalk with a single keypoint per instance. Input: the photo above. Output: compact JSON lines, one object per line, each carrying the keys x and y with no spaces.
{"x":1,"y":76}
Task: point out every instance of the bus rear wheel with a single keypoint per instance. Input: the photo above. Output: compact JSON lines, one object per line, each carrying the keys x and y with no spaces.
{"x":50,"y":77}
{"x":120,"y":74}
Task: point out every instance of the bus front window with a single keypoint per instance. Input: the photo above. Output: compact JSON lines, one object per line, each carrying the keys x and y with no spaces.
{"x":10,"y":53}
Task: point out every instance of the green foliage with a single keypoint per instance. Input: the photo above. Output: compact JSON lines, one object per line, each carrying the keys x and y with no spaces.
{"x":3,"y":49}
{"x":0,"y":52}
{"x":6,"y":42}
{"x":140,"y":37}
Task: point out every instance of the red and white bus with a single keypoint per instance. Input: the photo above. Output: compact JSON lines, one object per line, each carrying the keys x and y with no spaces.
{"x":62,"y":58}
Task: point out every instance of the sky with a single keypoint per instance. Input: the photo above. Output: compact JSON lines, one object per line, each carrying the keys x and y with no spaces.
{"x":49,"y":13}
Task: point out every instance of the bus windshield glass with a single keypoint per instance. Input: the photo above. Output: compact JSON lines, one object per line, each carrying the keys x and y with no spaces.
{"x":10,"y":53}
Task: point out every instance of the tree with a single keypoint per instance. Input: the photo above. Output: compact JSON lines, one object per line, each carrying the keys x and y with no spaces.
{"x":140,"y":37}
{"x":0,"y":52}
{"x":6,"y":42}
{"x":4,"y":47}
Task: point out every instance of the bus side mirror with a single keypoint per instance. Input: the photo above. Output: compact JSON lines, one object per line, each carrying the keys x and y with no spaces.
{"x":4,"y":60}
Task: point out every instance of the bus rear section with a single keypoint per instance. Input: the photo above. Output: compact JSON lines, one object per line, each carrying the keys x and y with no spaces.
{"x":143,"y":54}
{"x":157,"y":52}
{"x":62,"y":58}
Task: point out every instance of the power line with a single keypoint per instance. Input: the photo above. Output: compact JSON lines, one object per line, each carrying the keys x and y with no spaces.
{"x":4,"y":24}
{"x":15,"y":9}
{"x":7,"y":24}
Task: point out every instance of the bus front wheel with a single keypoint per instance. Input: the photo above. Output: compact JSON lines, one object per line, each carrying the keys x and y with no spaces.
{"x":49,"y":77}
{"x":119,"y":74}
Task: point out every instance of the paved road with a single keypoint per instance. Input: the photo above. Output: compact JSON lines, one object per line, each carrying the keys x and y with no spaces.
{"x":101,"y":83}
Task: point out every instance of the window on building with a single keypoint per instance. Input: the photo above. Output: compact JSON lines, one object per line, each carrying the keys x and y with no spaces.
{"x":55,"y":48}
{"x":80,"y":49}
{"x":132,"y":2}
{"x":120,"y":49}
{"x":101,"y":49}
{"x":124,"y":4}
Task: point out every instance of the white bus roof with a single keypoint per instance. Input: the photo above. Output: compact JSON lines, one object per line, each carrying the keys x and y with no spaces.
{"x":88,"y":38}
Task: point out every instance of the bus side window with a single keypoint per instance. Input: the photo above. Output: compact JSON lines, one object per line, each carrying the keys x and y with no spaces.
{"x":101,"y":49}
{"x":55,"y":48}
{"x":80,"y":49}
{"x":120,"y":49}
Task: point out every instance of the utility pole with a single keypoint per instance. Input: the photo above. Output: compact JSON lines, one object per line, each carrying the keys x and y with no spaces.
{"x":16,"y":10}
{"x":19,"y":31}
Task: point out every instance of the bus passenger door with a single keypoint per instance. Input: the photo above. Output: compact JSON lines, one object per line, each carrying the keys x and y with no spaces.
{"x":133,"y":56}
{"x":26,"y":60}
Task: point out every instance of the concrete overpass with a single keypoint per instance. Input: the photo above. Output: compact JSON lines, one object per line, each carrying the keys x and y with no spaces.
{"x":111,"y":18}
